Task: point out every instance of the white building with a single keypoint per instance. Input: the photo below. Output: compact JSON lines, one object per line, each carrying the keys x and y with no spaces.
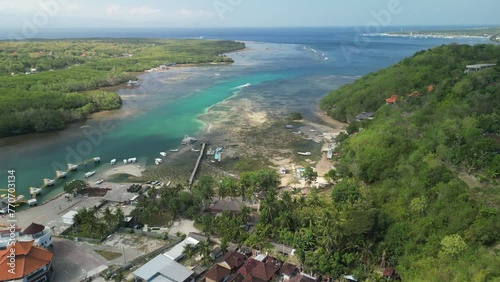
{"x":162,"y":268}
{"x":176,"y":252}
{"x":40,"y":234}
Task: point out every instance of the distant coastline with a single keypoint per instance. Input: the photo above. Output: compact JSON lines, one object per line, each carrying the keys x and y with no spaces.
{"x":492,"y":34}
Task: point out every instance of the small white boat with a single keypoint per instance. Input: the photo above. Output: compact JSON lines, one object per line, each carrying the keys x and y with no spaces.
{"x":288,"y":126}
{"x":48,"y":182}
{"x":72,"y":166}
{"x":61,"y":174}
{"x":163,"y":154}
{"x":168,"y":184}
{"x":195,"y":150}
{"x":217,"y":74}
{"x":297,"y":132}
{"x":125,"y":161}
{"x":312,"y":130}
{"x":35,"y":190}
{"x":113,"y":161}
{"x":132,"y":160}
{"x":157,"y":163}
{"x":89,"y":174}
{"x":99,"y":182}
{"x":97,"y":159}
{"x":174,"y":150}
{"x":304,"y":153}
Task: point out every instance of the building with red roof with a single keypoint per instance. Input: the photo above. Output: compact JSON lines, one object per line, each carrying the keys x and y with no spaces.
{"x":392,"y":99}
{"x":25,"y":262}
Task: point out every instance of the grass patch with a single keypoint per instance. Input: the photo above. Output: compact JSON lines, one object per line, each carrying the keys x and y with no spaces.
{"x":108,"y":255}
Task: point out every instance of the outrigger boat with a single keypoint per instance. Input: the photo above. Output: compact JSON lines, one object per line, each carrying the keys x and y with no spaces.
{"x":61,"y":174}
{"x":48,"y":182}
{"x":35,"y":190}
{"x":72,"y":166}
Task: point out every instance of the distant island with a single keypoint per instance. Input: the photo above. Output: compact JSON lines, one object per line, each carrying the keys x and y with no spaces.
{"x":47,"y":84}
{"x":492,"y":33}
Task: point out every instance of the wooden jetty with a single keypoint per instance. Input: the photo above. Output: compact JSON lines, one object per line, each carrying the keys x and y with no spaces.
{"x":195,"y":169}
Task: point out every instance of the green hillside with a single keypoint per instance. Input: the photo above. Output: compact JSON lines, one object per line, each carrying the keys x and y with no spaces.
{"x":428,"y":164}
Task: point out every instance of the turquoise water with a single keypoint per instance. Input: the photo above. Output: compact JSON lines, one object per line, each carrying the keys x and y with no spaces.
{"x":160,"y":122}
{"x":287,"y":70}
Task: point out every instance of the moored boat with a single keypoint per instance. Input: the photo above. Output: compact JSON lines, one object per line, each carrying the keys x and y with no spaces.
{"x":48,"y":182}
{"x":163,"y":154}
{"x":99,"y":182}
{"x":89,"y":174}
{"x":174,"y":150}
{"x":61,"y":174}
{"x":304,"y":153}
{"x":72,"y":166}
{"x":35,"y":190}
{"x":113,"y":161}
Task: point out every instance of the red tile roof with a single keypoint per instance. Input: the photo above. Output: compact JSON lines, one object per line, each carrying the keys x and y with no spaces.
{"x":234,"y":259}
{"x":392,"y":99}
{"x":248,"y":267}
{"x":264,"y":271}
{"x":29,"y":258}
{"x":217,"y":273}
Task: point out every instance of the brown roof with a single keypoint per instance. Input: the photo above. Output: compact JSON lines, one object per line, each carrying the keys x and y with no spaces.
{"x":33,"y":229}
{"x":225,"y":205}
{"x":264,"y":271}
{"x":389,"y":271}
{"x":217,"y":273}
{"x":289,"y":269}
{"x":234,"y":259}
{"x":237,"y":277}
{"x":251,"y":278}
{"x":302,"y":278}
{"x":29,"y":258}
{"x":248,"y":267}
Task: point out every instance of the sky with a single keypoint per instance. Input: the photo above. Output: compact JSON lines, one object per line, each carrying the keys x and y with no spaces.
{"x":16,"y":14}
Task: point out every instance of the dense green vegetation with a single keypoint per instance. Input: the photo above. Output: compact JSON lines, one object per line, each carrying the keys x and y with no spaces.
{"x":46,"y":84}
{"x":419,"y":183}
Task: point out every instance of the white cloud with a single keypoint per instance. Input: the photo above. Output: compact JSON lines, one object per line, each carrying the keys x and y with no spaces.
{"x":142,"y":11}
{"x":189,"y":14}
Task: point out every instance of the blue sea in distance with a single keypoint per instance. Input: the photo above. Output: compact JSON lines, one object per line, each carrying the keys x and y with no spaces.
{"x":289,"y":69}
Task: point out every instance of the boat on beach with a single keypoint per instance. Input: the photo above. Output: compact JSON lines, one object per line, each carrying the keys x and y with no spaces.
{"x":304,"y":153}
{"x":163,"y":154}
{"x":158,"y":161}
{"x":89,"y":174}
{"x":173,"y":150}
{"x":48,"y":182}
{"x":61,"y":174}
{"x":99,"y":182}
{"x":113,"y":161}
{"x":72,"y":167}
{"x":195,"y":150}
{"x":35,"y":190}
{"x":188,"y":140}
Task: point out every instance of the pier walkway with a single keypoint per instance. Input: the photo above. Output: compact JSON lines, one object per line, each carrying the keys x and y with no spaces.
{"x":195,"y":169}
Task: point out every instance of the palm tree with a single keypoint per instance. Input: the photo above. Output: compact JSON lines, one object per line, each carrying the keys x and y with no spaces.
{"x":204,"y":251}
{"x":189,"y":250}
{"x":108,"y":217}
{"x":120,"y":217}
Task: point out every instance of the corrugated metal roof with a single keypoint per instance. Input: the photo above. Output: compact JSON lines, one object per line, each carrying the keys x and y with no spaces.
{"x":163,"y":269}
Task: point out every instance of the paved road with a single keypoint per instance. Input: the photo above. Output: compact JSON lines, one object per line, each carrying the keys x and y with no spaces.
{"x":73,"y":262}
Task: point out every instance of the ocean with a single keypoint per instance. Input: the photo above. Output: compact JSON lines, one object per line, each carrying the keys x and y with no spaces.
{"x":289,"y":69}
